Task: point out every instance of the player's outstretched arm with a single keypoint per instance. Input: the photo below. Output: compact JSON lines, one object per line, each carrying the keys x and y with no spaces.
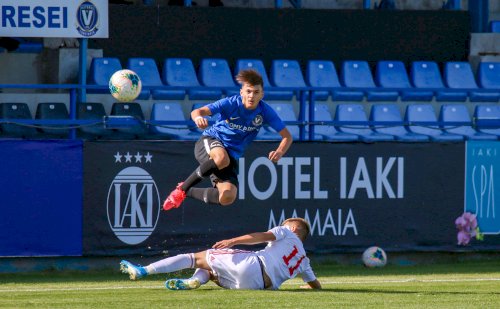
{"x":315,"y":284}
{"x":286,"y":141}
{"x":198,"y":116}
{"x":249,"y":239}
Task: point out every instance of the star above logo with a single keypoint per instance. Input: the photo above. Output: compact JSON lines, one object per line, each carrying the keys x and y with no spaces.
{"x":138,"y":158}
{"x":127,"y":157}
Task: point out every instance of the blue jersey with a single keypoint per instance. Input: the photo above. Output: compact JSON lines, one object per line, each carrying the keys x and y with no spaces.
{"x":236,"y":126}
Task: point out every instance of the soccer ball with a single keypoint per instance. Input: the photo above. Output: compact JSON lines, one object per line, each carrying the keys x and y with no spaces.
{"x":125,"y":85}
{"x":374,"y":257}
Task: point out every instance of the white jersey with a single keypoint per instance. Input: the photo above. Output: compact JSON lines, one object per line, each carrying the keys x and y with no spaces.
{"x":285,"y":257}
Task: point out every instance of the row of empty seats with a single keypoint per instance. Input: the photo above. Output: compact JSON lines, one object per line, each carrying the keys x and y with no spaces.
{"x":389,"y":82}
{"x":349,"y":122}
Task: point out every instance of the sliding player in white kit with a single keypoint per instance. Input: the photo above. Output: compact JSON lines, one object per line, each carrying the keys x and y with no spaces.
{"x":283,"y":258}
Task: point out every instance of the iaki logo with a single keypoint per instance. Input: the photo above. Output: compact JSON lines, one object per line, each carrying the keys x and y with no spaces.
{"x":133,"y":204}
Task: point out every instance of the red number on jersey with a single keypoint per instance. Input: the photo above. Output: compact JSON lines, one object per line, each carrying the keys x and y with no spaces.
{"x":287,"y":259}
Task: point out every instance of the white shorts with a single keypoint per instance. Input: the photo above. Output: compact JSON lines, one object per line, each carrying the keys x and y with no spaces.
{"x":236,"y":269}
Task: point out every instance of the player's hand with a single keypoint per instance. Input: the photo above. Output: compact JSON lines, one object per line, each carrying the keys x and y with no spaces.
{"x":201,"y":122}
{"x":305,"y":286}
{"x":226,"y":243}
{"x":275,"y":155}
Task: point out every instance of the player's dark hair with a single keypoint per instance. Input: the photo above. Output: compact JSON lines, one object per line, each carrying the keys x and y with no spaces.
{"x":306,"y":228}
{"x":250,"y":76}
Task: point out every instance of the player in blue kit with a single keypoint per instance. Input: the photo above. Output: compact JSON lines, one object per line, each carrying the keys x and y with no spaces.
{"x":221,"y":145}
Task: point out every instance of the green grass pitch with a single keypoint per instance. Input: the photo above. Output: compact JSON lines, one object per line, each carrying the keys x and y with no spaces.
{"x":469,"y":284}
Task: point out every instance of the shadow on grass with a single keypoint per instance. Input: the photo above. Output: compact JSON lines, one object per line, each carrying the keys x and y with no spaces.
{"x":387,"y":291}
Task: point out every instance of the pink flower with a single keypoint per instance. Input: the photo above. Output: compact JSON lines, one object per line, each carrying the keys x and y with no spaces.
{"x":467,"y":228}
{"x":463,"y":238}
{"x":460,"y":223}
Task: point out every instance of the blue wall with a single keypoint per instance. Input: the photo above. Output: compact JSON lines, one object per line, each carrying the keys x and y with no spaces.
{"x":40,"y":198}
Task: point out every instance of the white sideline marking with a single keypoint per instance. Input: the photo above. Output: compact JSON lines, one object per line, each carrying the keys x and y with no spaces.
{"x":161,"y":287}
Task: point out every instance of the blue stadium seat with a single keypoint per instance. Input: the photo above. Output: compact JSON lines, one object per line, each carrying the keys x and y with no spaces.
{"x":148,"y":73}
{"x":270,"y":92}
{"x":287,"y":73}
{"x":16,"y":111}
{"x":390,"y":113}
{"x":356,"y":112}
{"x":286,"y":113}
{"x":322,"y":73}
{"x":490,"y":113}
{"x":328,"y":132}
{"x":92,"y":111}
{"x":458,"y":75}
{"x":489,"y":75}
{"x":171,"y":111}
{"x":495,"y":26}
{"x":52,"y":111}
{"x":357,"y":74}
{"x":459,"y":113}
{"x":180,"y":72}
{"x":215,"y":72}
{"x":101,"y":70}
{"x":425,"y":113}
{"x":132,"y":109}
{"x":392,"y":74}
{"x":426,"y":74}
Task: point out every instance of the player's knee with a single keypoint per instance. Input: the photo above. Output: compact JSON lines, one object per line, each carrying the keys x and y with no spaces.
{"x":221,"y":161}
{"x":227,"y":197}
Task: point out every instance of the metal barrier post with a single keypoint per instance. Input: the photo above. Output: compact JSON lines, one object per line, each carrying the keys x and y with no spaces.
{"x":72,"y":111}
{"x":302,"y":114}
{"x":311,"y":115}
{"x":479,"y":13}
{"x":82,"y":63}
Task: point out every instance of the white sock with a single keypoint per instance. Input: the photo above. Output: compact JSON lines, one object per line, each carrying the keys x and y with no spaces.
{"x":202,"y":275}
{"x":171,"y":264}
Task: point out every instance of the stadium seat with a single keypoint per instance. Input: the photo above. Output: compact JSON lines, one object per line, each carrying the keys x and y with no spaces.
{"x":495,"y":26}
{"x":489,"y":75}
{"x":92,"y":111}
{"x":392,"y":74}
{"x":101,"y":70}
{"x":426,"y":74}
{"x":425,"y":113}
{"x":180,"y":72}
{"x":322,"y":73}
{"x":460,"y":113}
{"x":390,"y":113}
{"x":489,"y":113}
{"x":458,"y":75}
{"x":132,"y":109}
{"x":215,"y":72}
{"x":270,"y":92}
{"x":171,"y":111}
{"x":16,"y":111}
{"x":52,"y":111}
{"x":150,"y":77}
{"x":286,"y":113}
{"x":287,"y":73}
{"x":328,"y":132}
{"x":357,"y":74}
{"x":356,"y":112}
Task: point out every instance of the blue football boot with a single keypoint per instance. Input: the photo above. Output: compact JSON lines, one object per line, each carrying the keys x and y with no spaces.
{"x":134,"y":271}
{"x":182,"y":284}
